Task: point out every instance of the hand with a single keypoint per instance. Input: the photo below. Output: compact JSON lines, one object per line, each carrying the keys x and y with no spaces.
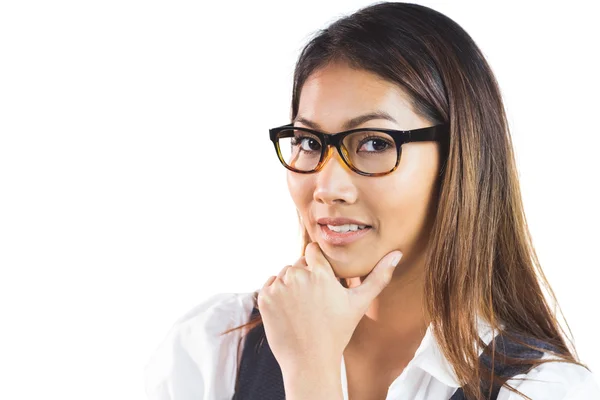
{"x":309,"y":317}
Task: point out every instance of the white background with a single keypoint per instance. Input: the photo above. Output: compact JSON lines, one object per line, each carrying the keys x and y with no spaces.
{"x":137,"y":178}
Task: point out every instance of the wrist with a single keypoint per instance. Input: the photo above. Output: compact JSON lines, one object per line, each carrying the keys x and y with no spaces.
{"x":314,"y":382}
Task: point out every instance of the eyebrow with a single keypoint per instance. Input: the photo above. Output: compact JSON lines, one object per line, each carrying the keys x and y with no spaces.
{"x":351,"y":123}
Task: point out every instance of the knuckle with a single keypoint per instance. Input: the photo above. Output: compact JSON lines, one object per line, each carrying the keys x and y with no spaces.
{"x":301,"y":263}
{"x":285,"y":268}
{"x":283,"y":273}
{"x":263,"y":299}
{"x":318,"y":273}
{"x":382,"y":282}
{"x":269,"y":281}
{"x":301,"y":274}
{"x":290,"y":274}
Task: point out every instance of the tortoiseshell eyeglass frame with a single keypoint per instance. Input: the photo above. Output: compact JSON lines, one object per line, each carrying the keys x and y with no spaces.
{"x":432,"y":133}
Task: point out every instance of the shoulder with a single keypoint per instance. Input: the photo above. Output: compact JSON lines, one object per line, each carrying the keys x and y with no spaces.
{"x":554,"y":381}
{"x":220,"y":311}
{"x":184,"y":364}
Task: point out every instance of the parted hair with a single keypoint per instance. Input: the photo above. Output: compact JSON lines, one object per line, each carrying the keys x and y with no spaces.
{"x":480,"y":258}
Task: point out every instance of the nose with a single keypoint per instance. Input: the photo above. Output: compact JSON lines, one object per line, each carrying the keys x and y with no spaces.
{"x":335,"y":181}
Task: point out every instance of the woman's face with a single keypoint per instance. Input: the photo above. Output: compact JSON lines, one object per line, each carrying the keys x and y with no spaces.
{"x":398,"y":206}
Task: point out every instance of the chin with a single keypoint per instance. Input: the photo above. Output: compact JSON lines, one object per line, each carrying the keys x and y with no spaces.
{"x":349,"y":272}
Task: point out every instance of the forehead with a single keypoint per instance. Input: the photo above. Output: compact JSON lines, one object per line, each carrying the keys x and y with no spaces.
{"x":336,"y":93}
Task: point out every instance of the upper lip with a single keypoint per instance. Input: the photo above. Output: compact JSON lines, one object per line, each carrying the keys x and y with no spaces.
{"x":339,"y":221}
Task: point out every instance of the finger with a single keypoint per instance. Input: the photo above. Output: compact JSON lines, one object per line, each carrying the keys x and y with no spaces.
{"x":316,"y":259}
{"x":296,"y":275}
{"x":377,"y":280}
{"x":301,"y":263}
{"x":269,"y":281}
{"x":282,"y":273}
{"x":260,"y":301}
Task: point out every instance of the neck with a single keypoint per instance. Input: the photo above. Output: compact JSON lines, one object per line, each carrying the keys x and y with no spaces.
{"x":395,"y":322}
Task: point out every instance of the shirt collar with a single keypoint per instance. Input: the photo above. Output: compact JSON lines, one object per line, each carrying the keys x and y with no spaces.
{"x":429,"y":356}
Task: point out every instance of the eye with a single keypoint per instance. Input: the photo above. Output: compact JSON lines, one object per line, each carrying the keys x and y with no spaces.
{"x":375,"y":144}
{"x":307,"y":143}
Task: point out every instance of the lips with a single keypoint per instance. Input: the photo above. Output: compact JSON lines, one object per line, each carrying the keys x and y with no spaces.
{"x":341,"y":221}
{"x":341,"y":238}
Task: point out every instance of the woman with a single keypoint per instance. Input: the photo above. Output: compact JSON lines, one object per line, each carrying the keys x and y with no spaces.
{"x":398,"y":154}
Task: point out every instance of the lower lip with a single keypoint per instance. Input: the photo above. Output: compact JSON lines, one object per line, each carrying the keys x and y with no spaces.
{"x":339,"y":239}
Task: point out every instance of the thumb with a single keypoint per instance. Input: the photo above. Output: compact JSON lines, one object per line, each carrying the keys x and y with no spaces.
{"x":377,"y":280}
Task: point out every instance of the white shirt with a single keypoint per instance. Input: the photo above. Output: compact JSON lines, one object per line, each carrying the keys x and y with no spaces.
{"x":194,"y":362}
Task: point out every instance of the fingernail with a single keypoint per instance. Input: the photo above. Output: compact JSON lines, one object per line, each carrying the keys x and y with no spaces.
{"x":396,"y":259}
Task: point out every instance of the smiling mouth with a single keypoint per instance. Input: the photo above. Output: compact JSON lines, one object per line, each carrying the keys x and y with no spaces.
{"x":343,"y":235}
{"x":346,"y":228}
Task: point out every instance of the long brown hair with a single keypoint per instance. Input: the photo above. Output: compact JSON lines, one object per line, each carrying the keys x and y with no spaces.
{"x":480,"y":260}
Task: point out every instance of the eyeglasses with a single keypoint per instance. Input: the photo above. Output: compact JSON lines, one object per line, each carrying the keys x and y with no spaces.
{"x":366,"y":151}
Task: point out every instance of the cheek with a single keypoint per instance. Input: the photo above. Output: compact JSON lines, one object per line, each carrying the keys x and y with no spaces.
{"x":300,"y":189}
{"x":404,"y":210}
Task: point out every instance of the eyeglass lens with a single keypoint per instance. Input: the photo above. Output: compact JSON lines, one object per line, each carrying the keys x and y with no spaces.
{"x":368,"y":151}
